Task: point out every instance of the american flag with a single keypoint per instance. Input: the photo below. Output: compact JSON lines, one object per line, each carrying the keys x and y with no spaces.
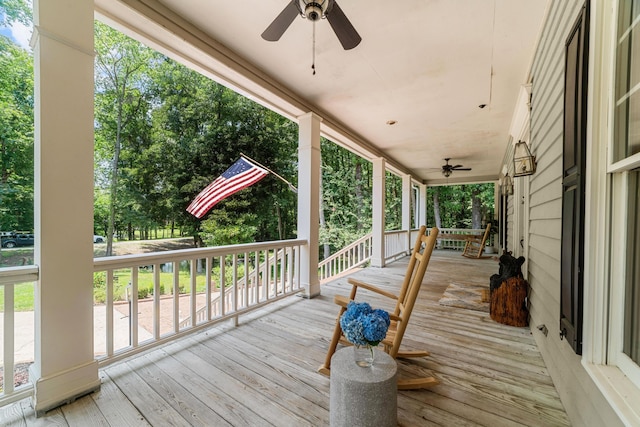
{"x":240,"y":175}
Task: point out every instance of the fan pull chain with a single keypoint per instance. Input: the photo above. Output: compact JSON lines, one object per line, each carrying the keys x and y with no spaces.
{"x":313,"y":50}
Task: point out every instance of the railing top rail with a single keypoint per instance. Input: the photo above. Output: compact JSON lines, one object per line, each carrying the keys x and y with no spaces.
{"x":461,"y":230}
{"x":124,"y":261}
{"x":22,"y":274}
{"x":389,"y":232}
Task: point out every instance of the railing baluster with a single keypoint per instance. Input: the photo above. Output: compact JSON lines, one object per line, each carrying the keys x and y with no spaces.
{"x":133,"y":313}
{"x":109,"y":313}
{"x":267,"y":273}
{"x":235,"y":282}
{"x":192,"y":290}
{"x":223,"y":287}
{"x":281,"y":265}
{"x":176,"y":297}
{"x":257,"y":273}
{"x":245,"y":292}
{"x":208,"y":287}
{"x":9,"y":339}
{"x":156,"y":301}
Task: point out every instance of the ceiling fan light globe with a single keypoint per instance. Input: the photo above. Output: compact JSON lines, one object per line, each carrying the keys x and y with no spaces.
{"x":314,"y":10}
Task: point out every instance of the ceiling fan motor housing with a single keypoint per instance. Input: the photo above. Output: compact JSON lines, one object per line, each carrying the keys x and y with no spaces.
{"x":314,"y":10}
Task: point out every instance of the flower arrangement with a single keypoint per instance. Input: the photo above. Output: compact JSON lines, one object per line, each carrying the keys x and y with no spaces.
{"x":364,"y":326}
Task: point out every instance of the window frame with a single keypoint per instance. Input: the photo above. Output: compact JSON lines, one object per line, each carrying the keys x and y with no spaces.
{"x":618,"y":170}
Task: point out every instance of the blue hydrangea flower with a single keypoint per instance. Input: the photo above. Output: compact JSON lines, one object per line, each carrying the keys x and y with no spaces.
{"x":384,"y":315}
{"x":362,"y":325}
{"x":374,"y":327}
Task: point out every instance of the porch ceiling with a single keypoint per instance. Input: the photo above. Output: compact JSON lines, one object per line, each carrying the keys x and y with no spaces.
{"x":427,"y":64}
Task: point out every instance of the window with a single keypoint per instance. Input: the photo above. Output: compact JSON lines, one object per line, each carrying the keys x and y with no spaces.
{"x":625,"y":281}
{"x":631,"y":346}
{"x":627,"y":107}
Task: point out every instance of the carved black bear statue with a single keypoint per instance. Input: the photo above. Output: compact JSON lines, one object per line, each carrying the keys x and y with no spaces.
{"x":509,"y":293}
{"x":509,"y":267}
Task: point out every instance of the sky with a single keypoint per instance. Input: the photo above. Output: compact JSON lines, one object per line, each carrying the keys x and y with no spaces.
{"x":19,"y":33}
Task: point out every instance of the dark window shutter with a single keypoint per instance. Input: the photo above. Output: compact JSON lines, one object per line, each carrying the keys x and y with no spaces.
{"x":573,"y":182}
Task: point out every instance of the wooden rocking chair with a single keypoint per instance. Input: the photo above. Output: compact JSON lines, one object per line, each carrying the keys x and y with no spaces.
{"x":400,"y":317}
{"x":474,"y":247}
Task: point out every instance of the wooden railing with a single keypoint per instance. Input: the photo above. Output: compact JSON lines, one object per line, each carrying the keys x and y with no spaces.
{"x":210,"y":287}
{"x":352,"y":256}
{"x":397,"y":244}
{"x":216,"y":305}
{"x":10,"y":278}
{"x":457,"y":244}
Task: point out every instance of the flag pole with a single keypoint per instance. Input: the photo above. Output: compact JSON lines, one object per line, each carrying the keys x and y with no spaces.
{"x":291,"y":186}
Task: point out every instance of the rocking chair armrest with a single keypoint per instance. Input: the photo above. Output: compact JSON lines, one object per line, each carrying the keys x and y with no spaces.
{"x":371,"y":288}
{"x":341,"y":300}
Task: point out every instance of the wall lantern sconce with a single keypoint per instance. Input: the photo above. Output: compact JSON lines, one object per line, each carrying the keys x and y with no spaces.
{"x":507,"y":186}
{"x":523,"y":162}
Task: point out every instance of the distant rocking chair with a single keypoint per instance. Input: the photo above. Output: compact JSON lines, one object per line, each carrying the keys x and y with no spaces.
{"x":474,"y":247}
{"x":400,"y":317}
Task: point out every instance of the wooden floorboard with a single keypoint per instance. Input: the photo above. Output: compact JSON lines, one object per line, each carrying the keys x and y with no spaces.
{"x":263,"y":372}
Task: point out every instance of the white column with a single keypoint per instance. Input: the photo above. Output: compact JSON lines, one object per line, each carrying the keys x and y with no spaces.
{"x":378,"y":207}
{"x":406,"y":202}
{"x":63,"y":62}
{"x":406,"y":209}
{"x":309,"y":201}
{"x":422,"y":205}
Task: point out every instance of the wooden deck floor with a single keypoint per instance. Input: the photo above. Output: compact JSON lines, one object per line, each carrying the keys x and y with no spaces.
{"x":263,"y":372}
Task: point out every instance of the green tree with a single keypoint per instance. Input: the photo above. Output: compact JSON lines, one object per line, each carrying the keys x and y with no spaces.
{"x":461,"y":206}
{"x":16,"y":137}
{"x":201,"y":128}
{"x":15,"y":11}
{"x":120,"y":104}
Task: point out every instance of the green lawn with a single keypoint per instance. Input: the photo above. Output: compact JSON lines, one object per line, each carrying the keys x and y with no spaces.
{"x":23,"y":297}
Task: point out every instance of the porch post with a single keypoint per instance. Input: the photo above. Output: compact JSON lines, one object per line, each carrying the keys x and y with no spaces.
{"x":64,"y":366}
{"x":406,"y":209}
{"x":422,"y":205}
{"x":378,"y":207}
{"x":309,"y":201}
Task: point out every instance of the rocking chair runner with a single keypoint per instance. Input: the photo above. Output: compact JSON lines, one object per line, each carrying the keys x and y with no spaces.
{"x":400,"y":317}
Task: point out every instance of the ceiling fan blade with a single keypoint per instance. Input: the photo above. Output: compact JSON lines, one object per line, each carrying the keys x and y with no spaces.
{"x":462,"y":169}
{"x":279,"y":25}
{"x":348,"y":36}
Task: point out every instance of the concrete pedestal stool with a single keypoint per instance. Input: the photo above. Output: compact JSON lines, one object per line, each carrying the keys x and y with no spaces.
{"x":363,"y":396}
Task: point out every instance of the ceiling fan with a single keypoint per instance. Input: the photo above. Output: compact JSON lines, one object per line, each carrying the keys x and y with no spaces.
{"x":314,"y":11}
{"x":448,"y":169}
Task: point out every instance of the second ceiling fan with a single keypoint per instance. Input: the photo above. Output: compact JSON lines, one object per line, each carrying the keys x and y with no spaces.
{"x":314,"y":11}
{"x":448,"y":169}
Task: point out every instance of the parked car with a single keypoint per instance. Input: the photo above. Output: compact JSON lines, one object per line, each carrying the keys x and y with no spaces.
{"x":98,"y":239}
{"x":15,"y":240}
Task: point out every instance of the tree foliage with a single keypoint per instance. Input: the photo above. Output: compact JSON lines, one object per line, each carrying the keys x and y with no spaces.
{"x":165,"y":132}
{"x":16,"y":137}
{"x":461,"y":206}
{"x":12,"y":11}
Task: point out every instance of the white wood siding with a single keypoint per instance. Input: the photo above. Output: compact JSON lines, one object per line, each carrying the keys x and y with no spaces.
{"x":581,"y":398}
